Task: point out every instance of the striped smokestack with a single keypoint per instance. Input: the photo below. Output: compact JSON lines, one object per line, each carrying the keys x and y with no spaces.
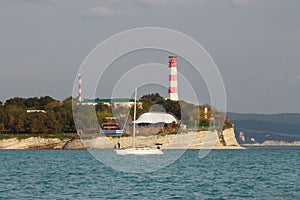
{"x":173,"y":89}
{"x":79,"y":87}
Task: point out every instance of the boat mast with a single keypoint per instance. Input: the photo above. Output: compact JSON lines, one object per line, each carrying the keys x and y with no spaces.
{"x":134,"y":116}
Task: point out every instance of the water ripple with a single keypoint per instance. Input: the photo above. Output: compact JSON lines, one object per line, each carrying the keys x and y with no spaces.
{"x":223,"y":174}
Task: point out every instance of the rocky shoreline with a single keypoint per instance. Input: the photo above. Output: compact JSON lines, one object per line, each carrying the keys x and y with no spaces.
{"x":274,"y":143}
{"x":188,"y":140}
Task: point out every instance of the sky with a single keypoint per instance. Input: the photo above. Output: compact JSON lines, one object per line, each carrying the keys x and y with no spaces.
{"x":255,"y":44}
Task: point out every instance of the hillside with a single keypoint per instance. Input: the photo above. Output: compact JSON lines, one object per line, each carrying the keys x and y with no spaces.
{"x":266,"y":127}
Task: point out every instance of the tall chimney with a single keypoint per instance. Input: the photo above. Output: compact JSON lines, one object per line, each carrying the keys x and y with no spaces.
{"x":79,"y":87}
{"x":173,"y":89}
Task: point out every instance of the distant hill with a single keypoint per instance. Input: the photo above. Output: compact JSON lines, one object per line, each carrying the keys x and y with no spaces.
{"x":262,"y":127}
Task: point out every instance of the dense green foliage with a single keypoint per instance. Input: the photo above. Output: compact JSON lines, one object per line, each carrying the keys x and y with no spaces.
{"x":51,"y":116}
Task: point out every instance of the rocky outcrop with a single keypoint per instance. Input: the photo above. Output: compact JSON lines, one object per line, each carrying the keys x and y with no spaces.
{"x":73,"y":144}
{"x":229,"y":137}
{"x":187,"y":140}
{"x":32,"y":143}
{"x":275,"y":143}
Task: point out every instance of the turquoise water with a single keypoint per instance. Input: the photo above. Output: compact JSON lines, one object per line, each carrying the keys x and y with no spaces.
{"x":222,"y":174}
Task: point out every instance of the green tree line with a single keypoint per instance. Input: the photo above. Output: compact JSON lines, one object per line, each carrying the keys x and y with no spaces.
{"x":51,"y":116}
{"x":54,"y":116}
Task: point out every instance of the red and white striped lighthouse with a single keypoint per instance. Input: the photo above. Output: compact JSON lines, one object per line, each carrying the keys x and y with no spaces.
{"x":79,"y":87}
{"x":173,"y":89}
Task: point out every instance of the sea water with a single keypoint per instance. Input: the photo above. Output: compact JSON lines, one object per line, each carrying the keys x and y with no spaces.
{"x":222,"y":174}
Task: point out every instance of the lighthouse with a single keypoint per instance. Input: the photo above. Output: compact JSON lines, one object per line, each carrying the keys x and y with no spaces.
{"x":173,"y":89}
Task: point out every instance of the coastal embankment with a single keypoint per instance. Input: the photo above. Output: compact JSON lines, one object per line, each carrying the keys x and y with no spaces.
{"x":32,"y":143}
{"x":187,"y":140}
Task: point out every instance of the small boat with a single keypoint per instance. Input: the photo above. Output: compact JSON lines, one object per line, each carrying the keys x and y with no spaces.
{"x":144,"y":151}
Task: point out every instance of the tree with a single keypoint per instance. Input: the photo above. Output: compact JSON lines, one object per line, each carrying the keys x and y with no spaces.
{"x":3,"y":118}
{"x":15,"y":119}
{"x":52,"y":124}
{"x":139,"y":111}
{"x":53,"y":106}
{"x":19,"y":126}
{"x":2,"y":127}
{"x":43,"y":101}
{"x":65,"y":116}
{"x":101,"y":107}
{"x":152,"y":99}
{"x":33,"y":125}
{"x":173,"y":107}
{"x":32,"y":103}
{"x":16,"y":101}
{"x":85,"y":117}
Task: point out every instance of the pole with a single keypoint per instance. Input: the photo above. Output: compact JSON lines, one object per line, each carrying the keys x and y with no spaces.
{"x":134,"y":117}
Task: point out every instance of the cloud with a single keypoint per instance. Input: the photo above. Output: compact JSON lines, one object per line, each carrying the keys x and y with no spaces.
{"x":298,"y":77}
{"x":240,"y":2}
{"x":164,"y":2}
{"x":106,"y":12}
{"x":155,"y":2}
{"x":40,"y":1}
